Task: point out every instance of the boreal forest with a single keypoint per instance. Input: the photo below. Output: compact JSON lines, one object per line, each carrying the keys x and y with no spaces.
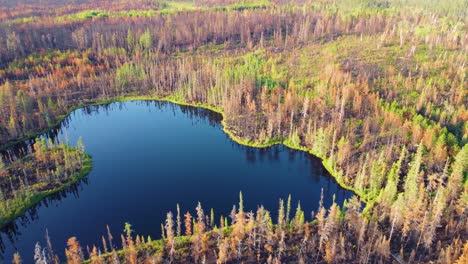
{"x":377,"y":89}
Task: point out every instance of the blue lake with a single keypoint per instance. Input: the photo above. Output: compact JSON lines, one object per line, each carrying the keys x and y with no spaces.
{"x":150,"y":156}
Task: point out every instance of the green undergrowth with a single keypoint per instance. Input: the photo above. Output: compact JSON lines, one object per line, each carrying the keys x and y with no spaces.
{"x":169,"y":7}
{"x":19,"y":207}
{"x":158,"y":246}
{"x":182,"y":243}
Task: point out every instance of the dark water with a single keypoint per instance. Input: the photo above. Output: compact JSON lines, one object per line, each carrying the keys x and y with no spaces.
{"x":149,"y":156}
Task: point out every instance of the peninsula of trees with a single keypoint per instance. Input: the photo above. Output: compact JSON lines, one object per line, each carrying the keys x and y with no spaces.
{"x":376,"y":88}
{"x":24,"y":182}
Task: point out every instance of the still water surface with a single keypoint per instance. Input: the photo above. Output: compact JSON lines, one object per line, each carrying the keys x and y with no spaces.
{"x":149,"y":156}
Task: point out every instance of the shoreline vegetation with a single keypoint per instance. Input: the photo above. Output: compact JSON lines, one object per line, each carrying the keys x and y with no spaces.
{"x":375,"y":88}
{"x":271,"y":142}
{"x":176,"y":243}
{"x":181,"y":242}
{"x":29,"y":180}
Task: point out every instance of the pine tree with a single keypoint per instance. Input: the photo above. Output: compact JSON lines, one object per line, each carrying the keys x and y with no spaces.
{"x":240,"y":217}
{"x":109,"y":237}
{"x":462,"y":203}
{"x":74,"y":252}
{"x":212,"y":218}
{"x":188,"y":224}
{"x":413,"y":178}
{"x":200,"y":225}
{"x":459,"y":168}
{"x":170,"y":234}
{"x":281,"y":214}
{"x":95,"y":257}
{"x":179,"y":222}
{"x":17,"y":258}
{"x":288,"y":209}
{"x":130,"y":251}
{"x":146,"y":40}
{"x":388,"y":194}
{"x":39,"y":255}
{"x":320,"y":144}
{"x":299,"y":218}
{"x":169,"y":227}
{"x":437,"y":210}
{"x":2,"y":166}
{"x":104,"y":244}
{"x":130,"y":40}
{"x":50,"y":251}
{"x":321,"y":221}
{"x":241,"y":203}
{"x":198,"y":241}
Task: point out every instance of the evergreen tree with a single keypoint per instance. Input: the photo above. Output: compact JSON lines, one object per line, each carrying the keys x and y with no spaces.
{"x":281,"y":214}
{"x":17,"y":258}
{"x":413,"y":178}
{"x":188,"y":224}
{"x":299,"y":218}
{"x":459,"y":172}
{"x":169,"y":227}
{"x":179,"y":222}
{"x":320,"y":145}
{"x":130,"y":40}
{"x":130,"y":251}
{"x":288,"y":209}
{"x":74,"y":252}
{"x":146,"y":40}
{"x":2,"y":166}
{"x":39,"y":255}
{"x":388,"y":194}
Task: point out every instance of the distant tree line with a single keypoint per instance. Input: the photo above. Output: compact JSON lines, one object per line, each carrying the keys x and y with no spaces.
{"x":378,"y":93}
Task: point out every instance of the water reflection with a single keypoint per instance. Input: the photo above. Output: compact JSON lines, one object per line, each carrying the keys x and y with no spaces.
{"x":147,"y":157}
{"x":14,"y":230}
{"x":196,"y":115}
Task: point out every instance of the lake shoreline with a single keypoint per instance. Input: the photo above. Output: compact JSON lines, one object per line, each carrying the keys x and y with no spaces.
{"x":336,"y":175}
{"x":41,"y":195}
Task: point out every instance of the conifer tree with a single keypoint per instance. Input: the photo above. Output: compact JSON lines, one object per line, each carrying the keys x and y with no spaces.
{"x":388,"y":194}
{"x":188,"y":224}
{"x":169,"y":227}
{"x":299,"y":218}
{"x":39,"y":254}
{"x":130,"y":251}
{"x":170,"y":244}
{"x":2,"y":166}
{"x":74,"y":252}
{"x":17,"y":258}
{"x":413,"y":178}
{"x":288,"y":209}
{"x":109,"y":237}
{"x":281,"y":214}
{"x":459,"y":169}
{"x":179,"y":222}
{"x":95,"y":257}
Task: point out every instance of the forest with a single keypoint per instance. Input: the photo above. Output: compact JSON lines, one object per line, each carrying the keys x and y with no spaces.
{"x":377,"y":89}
